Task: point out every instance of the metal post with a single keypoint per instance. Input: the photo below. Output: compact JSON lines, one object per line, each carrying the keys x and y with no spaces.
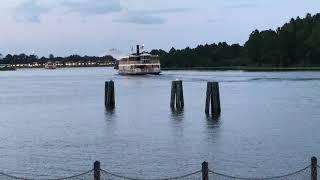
{"x":205,"y":171}
{"x":96,"y":168}
{"x":314,"y":166}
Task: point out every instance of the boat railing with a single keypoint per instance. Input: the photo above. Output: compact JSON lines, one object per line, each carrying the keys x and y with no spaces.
{"x":140,"y":62}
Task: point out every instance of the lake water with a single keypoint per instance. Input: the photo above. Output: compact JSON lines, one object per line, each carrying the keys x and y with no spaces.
{"x":53,"y":123}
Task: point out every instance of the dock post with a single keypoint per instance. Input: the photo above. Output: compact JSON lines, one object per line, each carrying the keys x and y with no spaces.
{"x":106,"y":85}
{"x":205,"y":171}
{"x":208,"y":97}
{"x":112,"y":98}
{"x":177,"y":99}
{"x":181,"y":94}
{"x":96,"y":169}
{"x":213,"y":99}
{"x":314,"y":166}
{"x":109,"y":100}
{"x":216,"y":98}
{"x":178,"y":95}
{"x":173,"y":94}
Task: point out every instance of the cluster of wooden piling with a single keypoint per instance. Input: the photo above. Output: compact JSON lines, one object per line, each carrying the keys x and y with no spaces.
{"x":177,"y":99}
{"x":109,"y":100}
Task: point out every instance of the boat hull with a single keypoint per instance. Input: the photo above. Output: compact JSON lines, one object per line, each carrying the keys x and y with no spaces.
{"x":139,"y":73}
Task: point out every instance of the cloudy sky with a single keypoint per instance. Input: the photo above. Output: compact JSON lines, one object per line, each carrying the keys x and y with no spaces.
{"x":95,"y":27}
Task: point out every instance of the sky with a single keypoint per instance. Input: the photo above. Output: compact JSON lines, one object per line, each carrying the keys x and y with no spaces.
{"x":100,"y":27}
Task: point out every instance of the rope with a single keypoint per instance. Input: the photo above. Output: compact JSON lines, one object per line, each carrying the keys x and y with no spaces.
{"x":266,"y":178}
{"x":70,"y":177}
{"x":170,"y":178}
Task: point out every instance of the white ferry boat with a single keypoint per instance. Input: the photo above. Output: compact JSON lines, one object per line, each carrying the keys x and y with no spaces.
{"x":139,"y":64}
{"x":50,"y":65}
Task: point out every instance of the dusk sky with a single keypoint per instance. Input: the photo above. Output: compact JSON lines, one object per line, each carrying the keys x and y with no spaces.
{"x":94,"y":27}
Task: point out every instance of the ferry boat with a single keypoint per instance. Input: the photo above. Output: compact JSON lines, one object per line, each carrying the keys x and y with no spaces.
{"x":50,"y":65}
{"x":6,"y":67}
{"x":139,"y":64}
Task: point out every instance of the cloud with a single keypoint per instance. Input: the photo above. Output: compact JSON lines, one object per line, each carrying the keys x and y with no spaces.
{"x":140,"y":19}
{"x":92,"y":7}
{"x":215,"y":20}
{"x":30,"y":11}
{"x":163,"y":11}
{"x":148,"y":17}
{"x":242,"y":5}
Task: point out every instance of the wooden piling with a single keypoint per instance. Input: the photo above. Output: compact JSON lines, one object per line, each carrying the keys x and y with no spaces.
{"x":178,"y":95}
{"x":181,"y":94}
{"x":109,"y":100}
{"x":216,"y":98}
{"x":96,"y":170}
{"x":213,"y":99}
{"x":173,"y":94}
{"x":314,"y":166}
{"x":208,"y":96}
{"x":205,"y":171}
{"x":112,"y":94}
{"x":177,"y":99}
{"x":106,"y":85}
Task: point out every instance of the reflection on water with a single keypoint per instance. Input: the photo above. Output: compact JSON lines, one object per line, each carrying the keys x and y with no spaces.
{"x":177,"y":115}
{"x":110,"y":114}
{"x":213,"y":121}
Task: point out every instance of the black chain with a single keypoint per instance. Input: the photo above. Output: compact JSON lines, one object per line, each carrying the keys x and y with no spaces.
{"x":266,"y":178}
{"x":64,"y":178}
{"x":130,"y":178}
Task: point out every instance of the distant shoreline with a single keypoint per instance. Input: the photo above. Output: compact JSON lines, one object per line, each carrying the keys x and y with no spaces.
{"x":222,"y":68}
{"x":244,"y":68}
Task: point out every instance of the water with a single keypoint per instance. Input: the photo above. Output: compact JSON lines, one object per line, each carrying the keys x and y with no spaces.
{"x":53,"y":123}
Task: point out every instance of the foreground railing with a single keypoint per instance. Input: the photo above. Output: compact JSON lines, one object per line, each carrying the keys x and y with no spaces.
{"x":307,"y":173}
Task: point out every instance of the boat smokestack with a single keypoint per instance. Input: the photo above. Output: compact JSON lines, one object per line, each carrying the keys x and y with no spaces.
{"x":138,"y":49}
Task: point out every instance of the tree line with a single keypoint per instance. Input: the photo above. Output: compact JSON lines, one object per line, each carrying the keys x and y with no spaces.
{"x":29,"y":59}
{"x":295,"y":44}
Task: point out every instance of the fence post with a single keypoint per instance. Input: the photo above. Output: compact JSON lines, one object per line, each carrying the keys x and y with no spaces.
{"x":314,"y":167}
{"x":205,"y":171}
{"x":96,"y":169}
